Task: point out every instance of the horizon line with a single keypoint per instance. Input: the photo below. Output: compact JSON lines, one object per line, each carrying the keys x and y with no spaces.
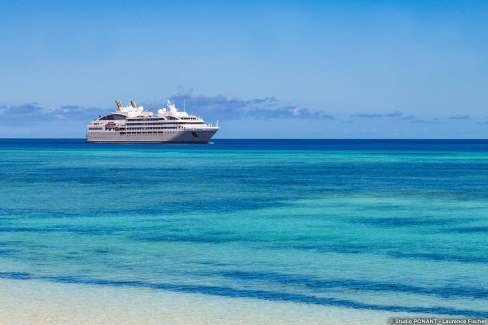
{"x":369,"y":139}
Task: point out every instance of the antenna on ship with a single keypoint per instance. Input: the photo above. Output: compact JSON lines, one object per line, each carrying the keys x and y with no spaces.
{"x":184,"y":105}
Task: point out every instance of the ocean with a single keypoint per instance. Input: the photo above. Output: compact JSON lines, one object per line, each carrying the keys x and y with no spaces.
{"x":383,"y":225}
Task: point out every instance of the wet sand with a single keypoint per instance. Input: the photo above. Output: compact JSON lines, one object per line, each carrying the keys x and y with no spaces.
{"x":35,"y":302}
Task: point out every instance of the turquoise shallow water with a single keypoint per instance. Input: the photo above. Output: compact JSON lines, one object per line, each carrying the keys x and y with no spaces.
{"x":381,"y":225}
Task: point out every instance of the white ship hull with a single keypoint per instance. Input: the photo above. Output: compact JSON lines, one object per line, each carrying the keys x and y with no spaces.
{"x":177,"y":136}
{"x":132,"y":124}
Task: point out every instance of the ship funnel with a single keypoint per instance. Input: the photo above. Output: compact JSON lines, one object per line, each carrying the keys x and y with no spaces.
{"x":119,"y":104}
{"x":133,"y":104}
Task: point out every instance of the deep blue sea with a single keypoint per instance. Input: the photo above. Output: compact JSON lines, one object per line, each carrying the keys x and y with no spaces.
{"x":391,"y":225}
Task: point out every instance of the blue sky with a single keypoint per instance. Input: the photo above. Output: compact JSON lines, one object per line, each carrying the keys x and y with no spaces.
{"x":274,"y":69}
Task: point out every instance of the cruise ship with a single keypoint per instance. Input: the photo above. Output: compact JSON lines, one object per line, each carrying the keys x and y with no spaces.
{"x":133,"y":124}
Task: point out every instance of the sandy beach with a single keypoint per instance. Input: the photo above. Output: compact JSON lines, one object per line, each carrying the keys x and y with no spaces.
{"x":35,"y":302}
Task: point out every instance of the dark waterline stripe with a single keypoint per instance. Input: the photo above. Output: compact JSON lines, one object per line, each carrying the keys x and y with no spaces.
{"x":242,"y":293}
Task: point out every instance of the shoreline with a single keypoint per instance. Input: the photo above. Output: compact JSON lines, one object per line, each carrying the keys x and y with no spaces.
{"x":38,"y":302}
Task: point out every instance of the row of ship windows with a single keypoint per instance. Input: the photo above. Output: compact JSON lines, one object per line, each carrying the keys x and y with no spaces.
{"x":153,"y":119}
{"x":143,"y":133}
{"x":129,"y":123}
{"x":130,"y":128}
{"x":112,"y":117}
{"x":134,"y":133}
{"x":163,"y":119}
{"x":123,"y":117}
{"x":156,"y":127}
